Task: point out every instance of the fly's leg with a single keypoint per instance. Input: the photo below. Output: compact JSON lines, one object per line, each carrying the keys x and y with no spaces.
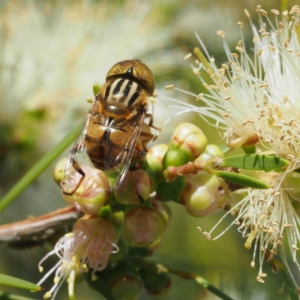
{"x":142,"y":152}
{"x":150,"y":124}
{"x":78,"y":169}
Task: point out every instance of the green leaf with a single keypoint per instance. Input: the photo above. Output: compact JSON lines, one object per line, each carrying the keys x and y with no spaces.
{"x":8,"y":296}
{"x":242,"y":180}
{"x":255,"y":162}
{"x":19,"y":283}
{"x":249,"y":149}
{"x":38,"y":168}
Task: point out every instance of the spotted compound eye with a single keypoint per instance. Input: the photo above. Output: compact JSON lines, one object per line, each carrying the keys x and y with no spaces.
{"x":135,"y":70}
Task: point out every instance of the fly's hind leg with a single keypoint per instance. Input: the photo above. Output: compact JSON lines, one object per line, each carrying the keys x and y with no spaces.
{"x":142,"y":154}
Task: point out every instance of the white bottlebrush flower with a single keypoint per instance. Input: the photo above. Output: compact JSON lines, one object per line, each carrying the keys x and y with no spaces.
{"x":255,"y":99}
{"x":52,"y":54}
{"x":88,"y":246}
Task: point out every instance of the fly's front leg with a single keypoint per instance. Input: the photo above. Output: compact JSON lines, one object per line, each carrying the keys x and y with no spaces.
{"x":78,"y":169}
{"x":73,"y":162}
{"x":150,"y":124}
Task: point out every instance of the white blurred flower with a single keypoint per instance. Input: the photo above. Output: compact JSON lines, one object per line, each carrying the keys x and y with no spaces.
{"x":52,"y":53}
{"x":256,"y":100}
{"x":88,"y":246}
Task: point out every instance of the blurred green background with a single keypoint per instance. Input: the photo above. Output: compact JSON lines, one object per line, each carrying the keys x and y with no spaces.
{"x":51,"y":53}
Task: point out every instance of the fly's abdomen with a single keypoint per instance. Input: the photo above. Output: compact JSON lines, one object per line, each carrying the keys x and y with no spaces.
{"x":107,"y":152}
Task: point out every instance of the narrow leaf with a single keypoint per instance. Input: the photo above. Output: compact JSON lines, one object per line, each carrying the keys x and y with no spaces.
{"x":255,"y":162}
{"x":19,"y":283}
{"x":8,"y":296}
{"x":38,"y":168}
{"x":249,"y":149}
{"x":242,"y":180}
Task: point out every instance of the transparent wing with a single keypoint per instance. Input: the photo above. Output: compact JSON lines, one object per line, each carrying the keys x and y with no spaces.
{"x":116,"y":163}
{"x":125,"y":157}
{"x":78,"y":152}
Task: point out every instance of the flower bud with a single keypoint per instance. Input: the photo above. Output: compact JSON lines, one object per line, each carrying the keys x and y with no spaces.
{"x":117,"y":219}
{"x":204,"y":194}
{"x":163,"y":211}
{"x":135,"y":188}
{"x":248,"y":138}
{"x":157,"y":285}
{"x":172,"y":190}
{"x":125,"y":282}
{"x":187,"y":143}
{"x":58,"y":170}
{"x":92,"y":194}
{"x":126,"y":288}
{"x":210,"y":151}
{"x":122,"y":253}
{"x":291,"y":183}
{"x":154,"y":157}
{"x":235,"y":197}
{"x":145,"y":251}
{"x":142,"y":227}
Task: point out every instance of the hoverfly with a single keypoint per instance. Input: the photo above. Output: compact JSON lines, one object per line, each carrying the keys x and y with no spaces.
{"x":115,"y":134}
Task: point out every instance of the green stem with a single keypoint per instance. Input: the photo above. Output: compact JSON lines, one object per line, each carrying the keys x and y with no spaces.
{"x":37,"y":169}
{"x":183,"y":274}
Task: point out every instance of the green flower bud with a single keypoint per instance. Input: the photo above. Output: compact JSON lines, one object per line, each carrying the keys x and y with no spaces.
{"x":145,"y":251}
{"x":135,"y":188}
{"x":154,"y":158}
{"x":122,"y":253}
{"x":235,"y":197}
{"x":125,"y":283}
{"x":118,"y":219}
{"x":157,"y":285}
{"x":210,"y":151}
{"x":163,"y":211}
{"x":296,"y":205}
{"x":187,"y":143}
{"x":291,"y":183}
{"x":58,"y":170}
{"x":172,"y":190}
{"x":92,"y":194}
{"x":126,"y":288}
{"x":98,"y":282}
{"x":142,"y":227}
{"x":204,"y":194}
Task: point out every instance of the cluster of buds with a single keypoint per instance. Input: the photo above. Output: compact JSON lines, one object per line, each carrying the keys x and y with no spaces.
{"x":123,"y":225}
